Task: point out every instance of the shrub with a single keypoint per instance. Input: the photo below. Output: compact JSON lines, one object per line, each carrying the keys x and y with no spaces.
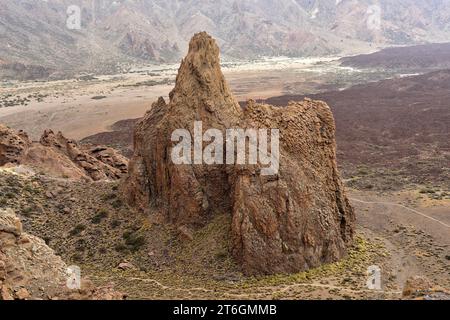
{"x":77,"y":230}
{"x":115,"y":223}
{"x":133,"y":240}
{"x":109,"y":196}
{"x":121,"y":247}
{"x":98,"y":218}
{"x":77,"y":257}
{"x":27,"y":211}
{"x":117,"y":204}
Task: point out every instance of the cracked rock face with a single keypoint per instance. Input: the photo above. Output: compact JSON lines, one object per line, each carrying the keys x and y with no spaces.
{"x":12,"y":145}
{"x":296,"y":219}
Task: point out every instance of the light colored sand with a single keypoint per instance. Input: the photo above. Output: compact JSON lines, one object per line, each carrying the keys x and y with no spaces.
{"x":81,"y":116}
{"x":78,"y":115}
{"x":68,"y":105}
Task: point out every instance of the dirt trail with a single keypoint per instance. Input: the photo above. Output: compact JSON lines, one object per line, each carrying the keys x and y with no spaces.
{"x":418,"y":239}
{"x":405,"y":207}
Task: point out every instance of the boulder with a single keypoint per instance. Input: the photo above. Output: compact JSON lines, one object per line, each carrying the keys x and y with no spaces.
{"x":12,"y":145}
{"x":126,"y":266}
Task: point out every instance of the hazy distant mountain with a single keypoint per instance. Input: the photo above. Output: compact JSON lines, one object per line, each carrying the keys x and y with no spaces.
{"x":34,"y":32}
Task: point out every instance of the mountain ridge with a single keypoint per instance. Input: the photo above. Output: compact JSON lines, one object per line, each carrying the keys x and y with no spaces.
{"x":115,"y":35}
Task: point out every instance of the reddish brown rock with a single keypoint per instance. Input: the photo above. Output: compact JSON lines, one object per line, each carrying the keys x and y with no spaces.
{"x":99,"y":163}
{"x":61,"y":157}
{"x":110,"y":157}
{"x":186,"y":193}
{"x":291,"y":221}
{"x":300,"y":218}
{"x":22,"y":294}
{"x":5,"y":293}
{"x":27,"y":265}
{"x":12,"y":145}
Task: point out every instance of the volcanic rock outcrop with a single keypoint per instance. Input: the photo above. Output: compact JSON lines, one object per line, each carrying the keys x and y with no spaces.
{"x":12,"y":145}
{"x":290,"y":221}
{"x":26,"y":263}
{"x":97,"y":162}
{"x":58,"y":156}
{"x":29,"y":269}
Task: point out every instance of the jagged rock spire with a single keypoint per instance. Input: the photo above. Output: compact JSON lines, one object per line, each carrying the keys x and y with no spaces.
{"x":200,"y":83}
{"x":292,"y":221}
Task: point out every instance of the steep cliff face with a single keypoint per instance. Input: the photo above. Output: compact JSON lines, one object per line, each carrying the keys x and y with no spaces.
{"x":301,"y":217}
{"x":294,"y":219}
{"x":26,"y":262}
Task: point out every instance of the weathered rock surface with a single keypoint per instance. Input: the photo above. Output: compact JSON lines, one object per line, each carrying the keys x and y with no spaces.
{"x":29,"y":269}
{"x":58,"y":156}
{"x":12,"y":145}
{"x":291,"y":221}
{"x":99,"y":163}
{"x":26,"y":262}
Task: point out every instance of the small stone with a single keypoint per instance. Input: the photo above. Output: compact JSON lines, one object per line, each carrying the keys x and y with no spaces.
{"x":126,"y":266}
{"x":10,"y":223}
{"x":22,"y":294}
{"x":5,"y":294}
{"x":185,"y":233}
{"x":24,"y":239}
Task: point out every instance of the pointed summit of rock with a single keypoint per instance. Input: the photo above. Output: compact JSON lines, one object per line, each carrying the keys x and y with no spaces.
{"x":200,"y":84}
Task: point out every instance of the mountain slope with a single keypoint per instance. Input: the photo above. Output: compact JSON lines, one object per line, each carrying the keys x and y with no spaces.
{"x":34,"y":32}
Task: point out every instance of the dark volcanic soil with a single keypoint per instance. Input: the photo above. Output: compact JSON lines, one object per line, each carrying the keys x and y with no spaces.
{"x":430,"y":56}
{"x":399,"y":127}
{"x":120,"y":137}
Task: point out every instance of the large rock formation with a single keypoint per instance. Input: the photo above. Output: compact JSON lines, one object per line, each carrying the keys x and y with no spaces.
{"x":293,"y":220}
{"x":58,"y":156}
